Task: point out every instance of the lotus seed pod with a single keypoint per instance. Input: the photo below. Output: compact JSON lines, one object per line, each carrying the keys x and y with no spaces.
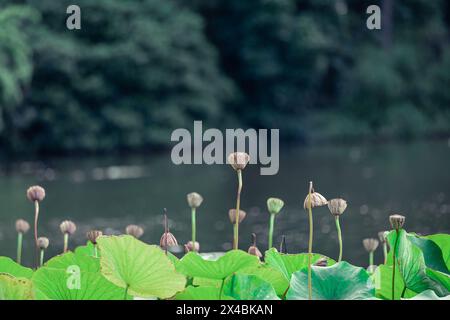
{"x":397,"y":221}
{"x":232,"y":215}
{"x":370,"y":244}
{"x":322,"y":262}
{"x":382,"y":236}
{"x":42,"y":243}
{"x":168,"y":239}
{"x":188,"y":247}
{"x":337,"y":206}
{"x":238,"y":160}
{"x":274,"y":205}
{"x":194,"y":200}
{"x":35,"y":193}
{"x":253,"y":250}
{"x":22,"y":226}
{"x":68,"y":226}
{"x":93,"y":235}
{"x":317,"y":200}
{"x":134,"y":230}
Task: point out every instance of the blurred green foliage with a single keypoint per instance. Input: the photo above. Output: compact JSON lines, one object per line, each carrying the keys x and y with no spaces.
{"x":139,"y":69}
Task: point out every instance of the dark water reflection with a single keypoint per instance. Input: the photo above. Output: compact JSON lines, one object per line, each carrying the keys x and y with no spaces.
{"x":109,"y":193}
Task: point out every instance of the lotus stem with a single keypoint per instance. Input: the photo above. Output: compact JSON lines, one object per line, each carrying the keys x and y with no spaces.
{"x":41,"y":260}
{"x":370,"y":258}
{"x":194,"y":227}
{"x":271,"y":224}
{"x":238,"y":204}
{"x":338,"y":227}
{"x":310,"y":242}
{"x":19,"y":247}
{"x":385,"y":253}
{"x":66,"y":242}
{"x":166,"y":230}
{"x":394,"y":263}
{"x":221,"y":289}
{"x":95,"y":251}
{"x":126,"y":293}
{"x":36,"y":217}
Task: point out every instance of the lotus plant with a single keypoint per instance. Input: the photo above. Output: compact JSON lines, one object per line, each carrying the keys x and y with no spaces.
{"x":274,"y":205}
{"x":36,"y":194}
{"x":283,"y":248}
{"x":232,"y":214}
{"x":22,"y":227}
{"x":312,"y":200}
{"x":397,"y":221}
{"x":337,"y":207}
{"x":382,"y":236}
{"x":92,"y":237}
{"x":134,"y":230}
{"x":167,"y":239}
{"x":194,"y":200}
{"x":238,"y":160}
{"x":253,"y":249}
{"x":67,"y":228}
{"x":42,"y":243}
{"x":370,"y":245}
{"x":188,"y":247}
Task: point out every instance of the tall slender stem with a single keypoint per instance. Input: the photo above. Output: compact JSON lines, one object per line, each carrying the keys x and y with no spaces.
{"x":393,"y":266}
{"x":271,"y":223}
{"x":238,"y":204}
{"x":126,"y":293}
{"x":66,"y":242}
{"x":95,"y":251}
{"x":385,"y":253}
{"x":193,"y":228}
{"x":221,"y":289}
{"x":41,"y":261}
{"x":36,"y":217}
{"x":370,"y":258}
{"x":19,"y":247}
{"x":166,"y":230}
{"x":310,"y":242}
{"x":338,"y":227}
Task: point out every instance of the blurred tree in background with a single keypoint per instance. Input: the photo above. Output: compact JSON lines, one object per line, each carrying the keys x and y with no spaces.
{"x":139,"y":69}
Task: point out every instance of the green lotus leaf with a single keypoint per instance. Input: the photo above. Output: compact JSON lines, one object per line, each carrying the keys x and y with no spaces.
{"x":212,"y":256}
{"x":9,"y":266}
{"x":443,"y":241}
{"x":74,"y":276}
{"x":432,"y":254}
{"x":287,"y":264}
{"x":411,"y":264}
{"x":144,"y":270}
{"x":341,"y":281}
{"x":382,"y":279}
{"x":429,"y":295}
{"x":206,"y":282}
{"x":440,"y":277}
{"x":194,"y":265}
{"x":89,"y":250}
{"x":12,"y":288}
{"x":201,"y":293}
{"x":270,"y":275}
{"x":249,"y":287}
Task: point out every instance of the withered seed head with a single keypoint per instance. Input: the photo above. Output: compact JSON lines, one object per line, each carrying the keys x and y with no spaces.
{"x":238,"y":160}
{"x":93,"y":235}
{"x":22,"y":226}
{"x":188,"y":247}
{"x":35,"y":193}
{"x":42,"y":243}
{"x":134,"y":230}
{"x":194,"y":200}
{"x":232,"y":215}
{"x":168,"y":239}
{"x":68,"y":226}
{"x":322,"y":262}
{"x":253,"y":249}
{"x":337,"y":206}
{"x":397,"y":221}
{"x":382,"y":236}
{"x":370,"y":244}
{"x":274,"y":205}
{"x":317,"y":200}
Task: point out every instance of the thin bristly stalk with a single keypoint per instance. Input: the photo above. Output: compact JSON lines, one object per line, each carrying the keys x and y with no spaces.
{"x":19,"y":247}
{"x":166,"y":230}
{"x":371,"y":258}
{"x":36,"y":217}
{"x":393,"y":266}
{"x":338,"y":227}
{"x":271,"y":223}
{"x":310,"y":242}
{"x":193,"y":229}
{"x":41,"y":261}
{"x":66,"y":242}
{"x":238,"y":204}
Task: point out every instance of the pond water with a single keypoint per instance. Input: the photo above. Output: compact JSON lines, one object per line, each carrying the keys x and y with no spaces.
{"x":109,"y":193}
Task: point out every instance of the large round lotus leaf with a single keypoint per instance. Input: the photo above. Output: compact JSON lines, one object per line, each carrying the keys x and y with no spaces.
{"x":432,"y":254}
{"x":270,"y":275}
{"x":9,"y":266}
{"x":287,"y":264}
{"x":212,"y":256}
{"x":89,"y":250}
{"x":74,"y":276}
{"x":443,"y":241}
{"x":429,"y":295}
{"x":143,"y":269}
{"x":12,"y":288}
{"x":201,"y":293}
{"x":193,"y":265}
{"x":412,"y":265}
{"x":249,"y":287}
{"x":341,"y":281}
{"x":382,"y":280}
{"x":440,"y":277}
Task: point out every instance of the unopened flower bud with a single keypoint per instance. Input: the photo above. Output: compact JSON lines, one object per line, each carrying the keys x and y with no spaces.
{"x":322,"y":262}
{"x":188,"y":247}
{"x":35,"y":193}
{"x":370,"y":244}
{"x":22,"y":226}
{"x":134,"y":230}
{"x":337,"y":206}
{"x":68,"y":227}
{"x":42,"y":243}
{"x":168,"y":240}
{"x":238,"y":160}
{"x":274,"y":205}
{"x":397,"y":221}
{"x":194,"y":200}
{"x":232,"y":215}
{"x":93,"y":235}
